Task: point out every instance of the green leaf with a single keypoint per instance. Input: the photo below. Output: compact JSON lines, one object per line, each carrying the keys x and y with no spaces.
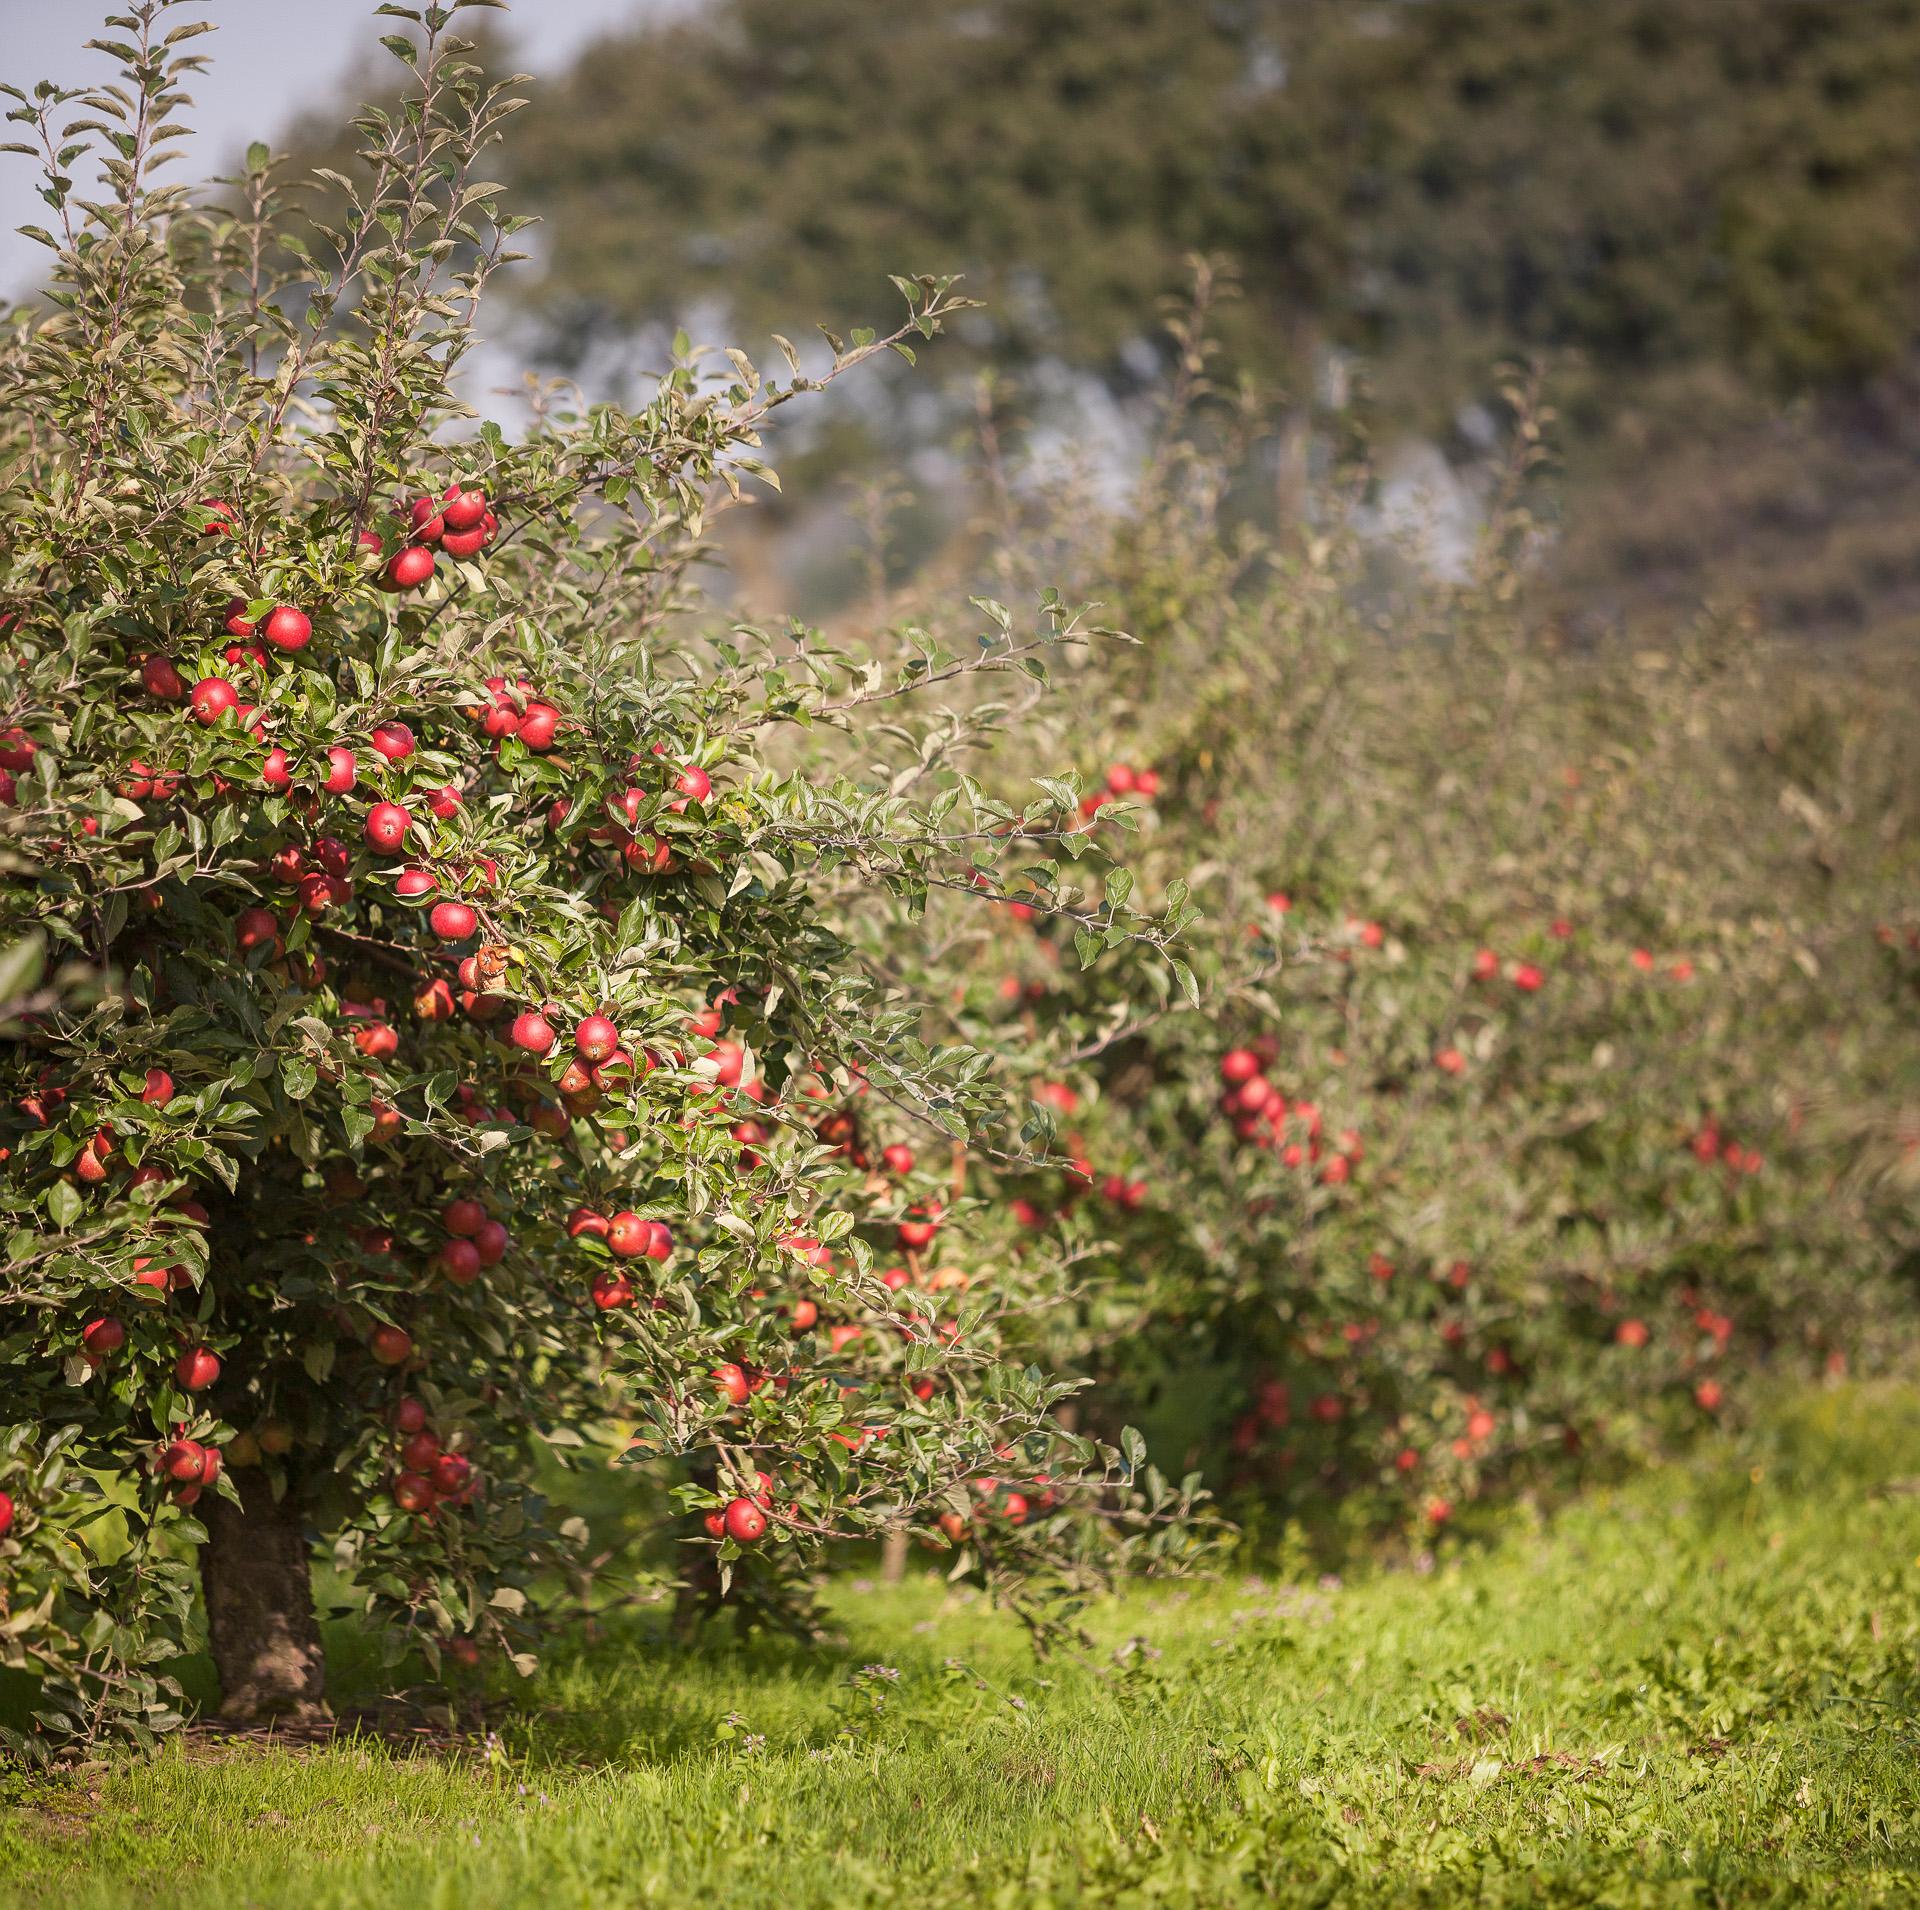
{"x":22,"y":963}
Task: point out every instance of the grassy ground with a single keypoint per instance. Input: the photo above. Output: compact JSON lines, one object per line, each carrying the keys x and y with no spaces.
{"x":1699,"y":1690}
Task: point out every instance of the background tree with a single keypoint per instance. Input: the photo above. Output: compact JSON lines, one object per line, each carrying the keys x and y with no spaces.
{"x":1555,"y":1090}
{"x":1699,"y":211}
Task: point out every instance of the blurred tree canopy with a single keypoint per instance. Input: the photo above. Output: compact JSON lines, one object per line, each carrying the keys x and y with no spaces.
{"x":1654,"y":183}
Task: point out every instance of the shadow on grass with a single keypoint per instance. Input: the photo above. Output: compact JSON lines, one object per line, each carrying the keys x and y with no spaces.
{"x":636,"y":1692}
{"x":633,"y":1691}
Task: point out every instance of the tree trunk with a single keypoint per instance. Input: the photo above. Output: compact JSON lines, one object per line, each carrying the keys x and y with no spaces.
{"x":1292,"y":479}
{"x":893,"y":1558}
{"x":257,"y":1575}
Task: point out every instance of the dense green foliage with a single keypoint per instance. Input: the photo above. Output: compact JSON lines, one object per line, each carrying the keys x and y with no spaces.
{"x":1700,"y":1690}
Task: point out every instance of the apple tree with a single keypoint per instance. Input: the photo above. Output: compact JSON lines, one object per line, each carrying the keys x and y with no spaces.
{"x":1551,"y":1093}
{"x":437,"y":1016}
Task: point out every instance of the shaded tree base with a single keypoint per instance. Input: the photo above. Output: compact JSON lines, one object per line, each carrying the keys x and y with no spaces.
{"x":755,"y":1600}
{"x":256,"y":1572}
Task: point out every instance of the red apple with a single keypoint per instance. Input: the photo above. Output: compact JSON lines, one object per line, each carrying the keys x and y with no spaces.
{"x":532,"y":1032}
{"x":387,"y":825}
{"x":409,"y":569}
{"x":196,"y":1369}
{"x":538,"y":725}
{"x":319,"y":892}
{"x":103,"y":1337}
{"x":389,"y":1345}
{"x":183,"y":1461}
{"x":287,"y":628}
{"x":452,"y":921}
{"x":464,"y":510}
{"x":434,"y":1002}
{"x":595,"y":1038}
{"x":159,"y":678}
{"x":256,"y":928}
{"x":419,"y":1450}
{"x":213,"y":697}
{"x":452,"y":1472}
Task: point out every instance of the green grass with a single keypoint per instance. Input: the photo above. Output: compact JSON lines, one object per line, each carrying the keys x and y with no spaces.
{"x":1701,"y":1689}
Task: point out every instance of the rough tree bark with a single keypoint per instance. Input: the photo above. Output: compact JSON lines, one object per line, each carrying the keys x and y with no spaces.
{"x":257,"y":1576}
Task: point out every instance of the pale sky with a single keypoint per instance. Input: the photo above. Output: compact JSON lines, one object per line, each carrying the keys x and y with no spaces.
{"x":271,"y":59}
